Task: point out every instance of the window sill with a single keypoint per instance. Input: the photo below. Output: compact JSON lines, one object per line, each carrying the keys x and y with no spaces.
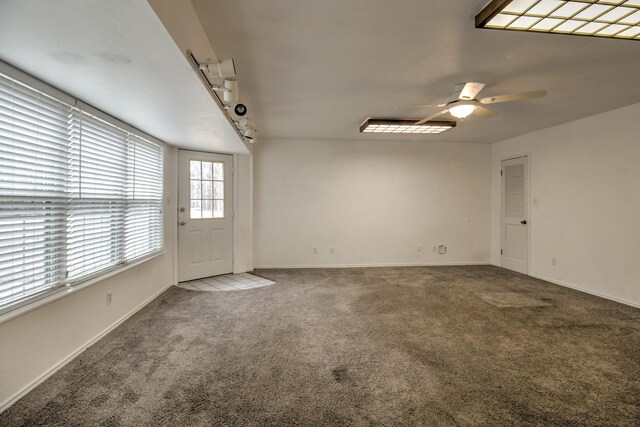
{"x":56,"y":294}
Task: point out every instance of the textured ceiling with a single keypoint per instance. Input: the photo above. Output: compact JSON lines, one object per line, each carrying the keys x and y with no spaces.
{"x":117,"y":56}
{"x":317,"y":69}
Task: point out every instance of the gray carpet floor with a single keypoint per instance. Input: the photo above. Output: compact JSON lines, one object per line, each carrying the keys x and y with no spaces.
{"x":425,"y":346}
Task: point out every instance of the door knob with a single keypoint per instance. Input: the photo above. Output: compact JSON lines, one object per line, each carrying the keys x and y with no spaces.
{"x":181,"y":209}
{"x":523,"y":222}
{"x":182,"y":222}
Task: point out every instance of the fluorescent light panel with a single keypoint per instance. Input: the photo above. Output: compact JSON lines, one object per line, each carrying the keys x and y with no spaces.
{"x":597,"y":18}
{"x":405,"y":126}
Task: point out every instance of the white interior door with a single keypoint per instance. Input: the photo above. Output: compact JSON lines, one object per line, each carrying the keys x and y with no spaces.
{"x":205,"y":215}
{"x":515,"y":214}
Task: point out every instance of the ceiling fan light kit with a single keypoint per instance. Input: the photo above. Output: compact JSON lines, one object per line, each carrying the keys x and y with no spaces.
{"x":462,"y":111}
{"x":406,"y":127}
{"x":596,"y":18}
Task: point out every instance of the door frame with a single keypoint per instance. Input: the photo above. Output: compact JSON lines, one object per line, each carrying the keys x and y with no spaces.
{"x":243,"y":213}
{"x":234,"y":207}
{"x":527,"y":201}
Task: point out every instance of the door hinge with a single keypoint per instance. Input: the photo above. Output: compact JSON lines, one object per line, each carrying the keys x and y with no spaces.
{"x":501,"y":252}
{"x":501,"y":172}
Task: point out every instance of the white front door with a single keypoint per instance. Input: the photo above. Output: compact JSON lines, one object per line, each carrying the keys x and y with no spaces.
{"x":515,"y":214}
{"x":205,"y":215}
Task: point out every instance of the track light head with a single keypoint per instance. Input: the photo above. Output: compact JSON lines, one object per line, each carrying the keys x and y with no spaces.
{"x":248,"y":130}
{"x":250,"y":135}
{"x":245,"y":123}
{"x":220,"y":69}
{"x":240,"y":110}
{"x":229,"y":89}
{"x":230,"y":94}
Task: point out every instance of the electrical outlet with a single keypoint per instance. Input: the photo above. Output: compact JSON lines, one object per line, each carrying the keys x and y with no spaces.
{"x":108,"y":297}
{"x":554,"y":262}
{"x":442,"y":249}
{"x":419,"y":249}
{"x":331,"y":251}
{"x":315,"y":251}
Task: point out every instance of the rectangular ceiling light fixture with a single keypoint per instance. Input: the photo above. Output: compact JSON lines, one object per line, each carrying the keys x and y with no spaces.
{"x":598,"y":18}
{"x":405,"y":126}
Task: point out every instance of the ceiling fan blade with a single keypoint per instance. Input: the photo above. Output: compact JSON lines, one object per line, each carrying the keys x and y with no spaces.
{"x":484,"y":112}
{"x":470,"y":91}
{"x":514,"y":97}
{"x":431,"y":117}
{"x":408,"y":107}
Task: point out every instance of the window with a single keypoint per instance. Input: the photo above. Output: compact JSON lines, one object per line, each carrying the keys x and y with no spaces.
{"x":207,"y":189}
{"x":78,"y":196}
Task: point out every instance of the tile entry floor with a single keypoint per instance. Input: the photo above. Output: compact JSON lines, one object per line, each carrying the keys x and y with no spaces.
{"x":227,"y":282}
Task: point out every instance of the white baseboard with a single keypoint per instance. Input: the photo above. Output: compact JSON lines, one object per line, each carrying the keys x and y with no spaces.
{"x":579,"y":288}
{"x":440,"y":264}
{"x":586,"y":291}
{"x":33,"y":384}
{"x":537,"y":276}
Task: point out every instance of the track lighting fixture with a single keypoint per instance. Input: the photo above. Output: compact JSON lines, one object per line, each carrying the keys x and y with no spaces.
{"x":226,"y":70}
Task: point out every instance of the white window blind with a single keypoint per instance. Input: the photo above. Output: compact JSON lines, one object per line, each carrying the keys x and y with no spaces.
{"x":78,"y":196}
{"x":143,"y":224}
{"x":33,"y":196}
{"x":97,"y":191}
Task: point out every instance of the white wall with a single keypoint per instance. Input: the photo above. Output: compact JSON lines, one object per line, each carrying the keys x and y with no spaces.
{"x":374,"y":202}
{"x":35,"y":344}
{"x":585,"y":203}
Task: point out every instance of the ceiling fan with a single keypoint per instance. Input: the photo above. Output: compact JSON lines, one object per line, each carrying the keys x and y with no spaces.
{"x":465,"y":102}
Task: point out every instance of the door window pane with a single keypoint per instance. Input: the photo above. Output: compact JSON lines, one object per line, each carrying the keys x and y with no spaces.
{"x":207,"y":172}
{"x":218,"y":209}
{"x":218,"y":192}
{"x":206,"y":186}
{"x":196,"y":209}
{"x":196,"y":189}
{"x":194,"y":169}
{"x":218,"y":171}
{"x":207,"y":209}
{"x":207,"y":191}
